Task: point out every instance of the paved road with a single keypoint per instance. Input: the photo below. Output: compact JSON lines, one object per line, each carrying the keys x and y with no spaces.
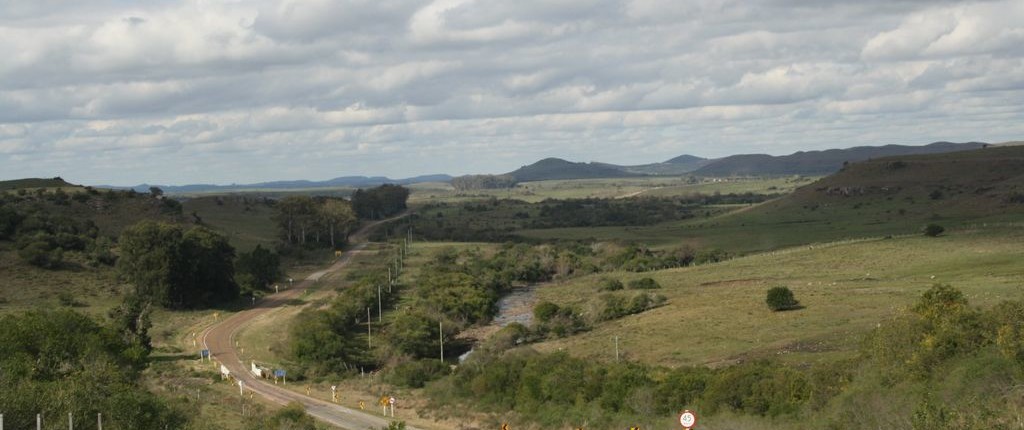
{"x":219,"y":340}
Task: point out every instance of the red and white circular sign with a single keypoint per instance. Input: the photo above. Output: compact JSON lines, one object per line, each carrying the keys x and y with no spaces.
{"x":688,"y":419}
{"x":391,"y":400}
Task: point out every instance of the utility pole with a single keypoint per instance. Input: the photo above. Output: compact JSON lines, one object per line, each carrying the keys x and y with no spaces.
{"x":380,"y":308}
{"x":390,"y":282}
{"x":440,"y":335}
{"x":368,"y":321}
{"x":99,"y":421}
{"x":71,"y":422}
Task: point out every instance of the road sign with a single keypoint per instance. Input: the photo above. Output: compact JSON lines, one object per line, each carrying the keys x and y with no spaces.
{"x":279,"y":373}
{"x":205,"y":353}
{"x":362,"y":405}
{"x":688,"y":419}
{"x":391,"y":401}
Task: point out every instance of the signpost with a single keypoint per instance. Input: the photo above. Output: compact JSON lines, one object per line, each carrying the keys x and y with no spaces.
{"x":204,"y":353}
{"x":280,"y":373}
{"x":688,"y":419}
{"x":391,"y":401}
{"x":241,"y":388}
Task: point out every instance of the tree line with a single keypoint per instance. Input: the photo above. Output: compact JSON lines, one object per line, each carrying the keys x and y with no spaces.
{"x":314,"y":221}
{"x":483,"y":182}
{"x":380,"y":202}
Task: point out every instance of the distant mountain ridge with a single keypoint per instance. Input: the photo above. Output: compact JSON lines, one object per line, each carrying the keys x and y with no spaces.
{"x":816,"y":163}
{"x":344,"y":181}
{"x":809,"y":163}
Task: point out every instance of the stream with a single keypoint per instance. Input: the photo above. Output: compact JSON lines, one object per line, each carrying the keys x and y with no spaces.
{"x":514,"y":307}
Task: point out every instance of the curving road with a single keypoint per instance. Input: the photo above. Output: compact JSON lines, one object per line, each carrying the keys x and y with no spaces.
{"x":219,"y":340}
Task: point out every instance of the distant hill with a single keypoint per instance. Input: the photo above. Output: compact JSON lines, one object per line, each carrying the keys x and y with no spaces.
{"x":34,"y":183}
{"x":344,"y":181}
{"x":814,"y":163}
{"x":680,"y":165}
{"x":557,"y":168}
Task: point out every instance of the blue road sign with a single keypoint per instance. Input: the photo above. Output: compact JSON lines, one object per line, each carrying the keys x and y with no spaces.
{"x":204,"y":353}
{"x":279,"y":373}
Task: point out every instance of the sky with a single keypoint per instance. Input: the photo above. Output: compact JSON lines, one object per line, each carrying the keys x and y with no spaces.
{"x":124,"y":92}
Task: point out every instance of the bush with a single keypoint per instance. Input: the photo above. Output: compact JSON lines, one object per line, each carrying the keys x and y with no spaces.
{"x":609,"y":284}
{"x":780,"y":299}
{"x":416,"y":374}
{"x":644,"y":284}
{"x":933,"y":230}
{"x":41,"y":254}
{"x":544,"y":311}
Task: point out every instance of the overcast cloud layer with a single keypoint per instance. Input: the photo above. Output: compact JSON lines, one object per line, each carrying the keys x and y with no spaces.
{"x":223,"y":91}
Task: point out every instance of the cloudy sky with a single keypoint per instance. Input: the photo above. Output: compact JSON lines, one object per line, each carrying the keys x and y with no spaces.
{"x":232,"y":91}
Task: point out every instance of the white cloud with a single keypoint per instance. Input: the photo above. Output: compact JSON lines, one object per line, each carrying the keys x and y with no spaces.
{"x":113,"y":91}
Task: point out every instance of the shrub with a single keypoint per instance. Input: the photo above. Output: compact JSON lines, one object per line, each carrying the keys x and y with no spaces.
{"x":644,"y":284}
{"x":609,"y":284}
{"x":41,"y":254}
{"x":780,"y":299}
{"x":933,"y":230}
{"x":544,"y":311}
{"x":416,"y":374}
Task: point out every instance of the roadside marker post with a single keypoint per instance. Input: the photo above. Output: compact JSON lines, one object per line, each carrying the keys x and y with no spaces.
{"x":391,"y":402}
{"x":241,"y":388}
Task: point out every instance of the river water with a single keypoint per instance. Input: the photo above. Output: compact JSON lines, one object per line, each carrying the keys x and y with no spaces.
{"x":514,"y":307}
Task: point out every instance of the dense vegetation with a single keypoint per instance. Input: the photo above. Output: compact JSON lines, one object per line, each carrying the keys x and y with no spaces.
{"x":498,"y":220}
{"x":59,"y":362}
{"x":176,"y":268}
{"x":380,"y":202}
{"x":482,"y":182}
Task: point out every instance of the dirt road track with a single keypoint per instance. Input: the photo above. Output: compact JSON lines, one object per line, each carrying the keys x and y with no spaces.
{"x":219,"y":340}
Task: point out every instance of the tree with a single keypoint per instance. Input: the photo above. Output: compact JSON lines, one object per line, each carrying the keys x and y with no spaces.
{"x":780,"y":299}
{"x":131,"y":323}
{"x":178,"y":269}
{"x":155,"y":192}
{"x":255,"y":269}
{"x":933,"y":230}
{"x":380,"y":202}
{"x":337,"y":216}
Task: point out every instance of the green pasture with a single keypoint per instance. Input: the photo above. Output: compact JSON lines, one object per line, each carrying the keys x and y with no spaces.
{"x":716,"y":314}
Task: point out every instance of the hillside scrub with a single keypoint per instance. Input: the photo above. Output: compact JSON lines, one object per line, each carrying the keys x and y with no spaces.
{"x":937,"y":364}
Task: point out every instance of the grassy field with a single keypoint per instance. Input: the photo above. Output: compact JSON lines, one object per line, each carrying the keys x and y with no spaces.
{"x":246,"y":221}
{"x":608,"y":188}
{"x":716,"y":313}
